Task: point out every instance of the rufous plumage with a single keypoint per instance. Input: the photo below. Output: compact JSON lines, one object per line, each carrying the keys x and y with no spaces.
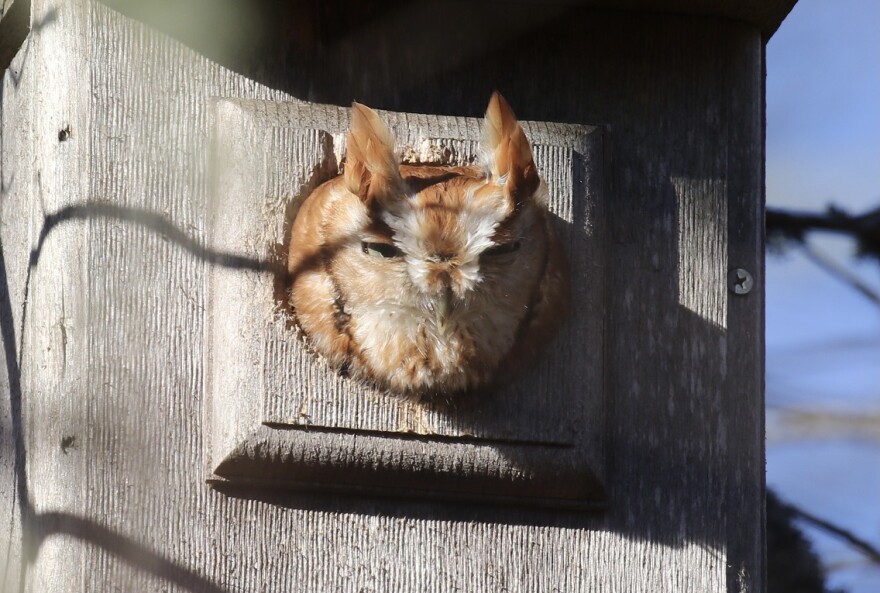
{"x":424,"y":279}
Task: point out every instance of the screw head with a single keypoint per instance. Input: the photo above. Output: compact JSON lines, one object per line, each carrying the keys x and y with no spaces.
{"x":740,"y":281}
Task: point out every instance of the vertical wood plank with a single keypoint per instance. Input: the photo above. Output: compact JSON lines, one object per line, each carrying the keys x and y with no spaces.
{"x":54,"y":347}
{"x":16,"y":174}
{"x":744,"y":404}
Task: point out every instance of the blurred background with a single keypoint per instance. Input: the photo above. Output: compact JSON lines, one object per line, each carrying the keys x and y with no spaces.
{"x":823,"y":312}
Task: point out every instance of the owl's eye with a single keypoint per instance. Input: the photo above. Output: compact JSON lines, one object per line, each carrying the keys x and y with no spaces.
{"x":503,"y":249}
{"x":383,"y":250}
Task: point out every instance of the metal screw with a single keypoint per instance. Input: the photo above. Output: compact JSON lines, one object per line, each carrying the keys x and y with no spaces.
{"x":740,"y":281}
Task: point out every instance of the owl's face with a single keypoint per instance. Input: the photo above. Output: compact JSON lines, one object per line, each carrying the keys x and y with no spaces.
{"x":426,"y":276}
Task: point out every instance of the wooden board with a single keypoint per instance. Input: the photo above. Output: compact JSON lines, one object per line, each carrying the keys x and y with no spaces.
{"x":114,"y":359}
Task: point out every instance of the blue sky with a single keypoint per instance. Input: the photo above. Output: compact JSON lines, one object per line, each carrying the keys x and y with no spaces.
{"x":823,"y":338}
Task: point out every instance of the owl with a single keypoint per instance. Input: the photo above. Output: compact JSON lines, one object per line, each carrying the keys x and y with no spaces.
{"x":425,"y":280}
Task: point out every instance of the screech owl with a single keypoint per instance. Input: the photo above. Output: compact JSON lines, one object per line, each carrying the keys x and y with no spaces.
{"x":426,"y":279}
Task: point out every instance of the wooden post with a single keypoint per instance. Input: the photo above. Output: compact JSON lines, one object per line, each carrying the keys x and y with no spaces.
{"x":112,"y":128}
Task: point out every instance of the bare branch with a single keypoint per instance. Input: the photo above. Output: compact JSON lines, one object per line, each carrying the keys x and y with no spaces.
{"x":840,"y":272}
{"x":864,"y":547}
{"x":864,"y":228}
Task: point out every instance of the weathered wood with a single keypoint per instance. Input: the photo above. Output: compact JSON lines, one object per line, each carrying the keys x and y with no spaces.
{"x":42,"y":173}
{"x":125,"y":506}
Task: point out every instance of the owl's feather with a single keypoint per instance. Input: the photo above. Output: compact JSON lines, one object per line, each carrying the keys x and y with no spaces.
{"x":507,"y":152}
{"x":425,"y":279}
{"x":371,"y":169}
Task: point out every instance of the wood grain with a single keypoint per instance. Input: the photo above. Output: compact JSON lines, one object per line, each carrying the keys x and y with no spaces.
{"x":127,"y":509}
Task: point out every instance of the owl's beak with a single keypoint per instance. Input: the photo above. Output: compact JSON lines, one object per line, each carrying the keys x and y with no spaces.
{"x":442,"y":308}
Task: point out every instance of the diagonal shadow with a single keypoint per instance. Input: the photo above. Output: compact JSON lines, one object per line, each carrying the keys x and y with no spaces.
{"x":146,"y":219}
{"x":36,"y":528}
{"x":131,"y":552}
{"x":13,"y":371}
{"x":15,"y":27}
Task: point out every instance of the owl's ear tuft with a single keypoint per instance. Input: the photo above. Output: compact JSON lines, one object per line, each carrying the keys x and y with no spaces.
{"x":371,"y":169}
{"x":507,"y":153}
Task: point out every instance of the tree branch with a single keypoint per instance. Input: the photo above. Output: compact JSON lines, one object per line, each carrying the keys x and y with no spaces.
{"x":841,"y":273}
{"x":866,"y":548}
{"x":864,"y":228}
